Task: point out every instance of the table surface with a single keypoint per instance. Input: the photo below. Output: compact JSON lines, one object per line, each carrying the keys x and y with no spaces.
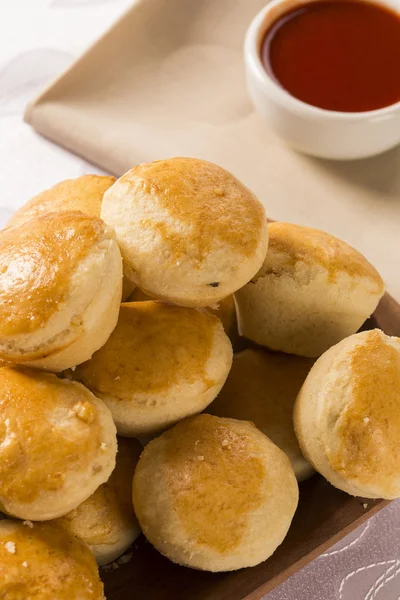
{"x":38,"y":40}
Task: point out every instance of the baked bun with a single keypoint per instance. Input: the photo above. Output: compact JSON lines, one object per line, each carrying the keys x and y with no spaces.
{"x":262,"y":388}
{"x":57,"y":444}
{"x":43,"y":562}
{"x":106,"y":521}
{"x":225,"y":310}
{"x":347,"y":415}
{"x":83,"y":193}
{"x":162,"y":363}
{"x":189,"y":232}
{"x":214,"y":494}
{"x":312,"y":291}
{"x":60,"y":290}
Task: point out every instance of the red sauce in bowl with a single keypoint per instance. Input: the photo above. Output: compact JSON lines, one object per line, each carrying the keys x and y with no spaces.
{"x":341,"y":55}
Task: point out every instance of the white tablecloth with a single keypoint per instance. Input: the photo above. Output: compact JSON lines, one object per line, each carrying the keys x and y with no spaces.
{"x":38,"y":39}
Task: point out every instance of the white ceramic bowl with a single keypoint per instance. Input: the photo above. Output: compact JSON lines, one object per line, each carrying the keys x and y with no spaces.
{"x":306,"y":128}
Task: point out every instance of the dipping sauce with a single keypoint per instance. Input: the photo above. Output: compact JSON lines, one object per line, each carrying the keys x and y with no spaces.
{"x":341,"y":55}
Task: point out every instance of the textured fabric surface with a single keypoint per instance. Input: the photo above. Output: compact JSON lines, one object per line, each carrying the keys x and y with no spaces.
{"x":37,"y":41}
{"x":363,"y":566}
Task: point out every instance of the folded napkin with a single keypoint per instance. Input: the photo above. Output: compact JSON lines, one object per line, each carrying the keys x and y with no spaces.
{"x":168,"y":80}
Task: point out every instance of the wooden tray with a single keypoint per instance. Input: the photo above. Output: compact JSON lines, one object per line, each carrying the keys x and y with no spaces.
{"x":324,"y":516}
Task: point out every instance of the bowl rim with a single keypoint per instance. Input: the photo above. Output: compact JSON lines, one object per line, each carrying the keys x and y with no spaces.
{"x":253,"y":38}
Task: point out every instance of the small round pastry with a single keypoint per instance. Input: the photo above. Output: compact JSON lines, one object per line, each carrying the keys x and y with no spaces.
{"x":57,"y":444}
{"x":347,"y":415}
{"x":262,"y":388}
{"x":43,"y":562}
{"x":189,"y":232}
{"x":60,"y":290}
{"x":214,"y":494}
{"x":225,"y":310}
{"x":83,"y":193}
{"x":312,"y":291}
{"x":106,"y":521}
{"x":162,"y":363}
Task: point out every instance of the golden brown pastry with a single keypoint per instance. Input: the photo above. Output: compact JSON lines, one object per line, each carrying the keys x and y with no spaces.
{"x":347,"y":415}
{"x":41,"y":561}
{"x":60,"y":290}
{"x":161,"y":364}
{"x":83,"y":193}
{"x":106,"y":521}
{"x":57,"y":444}
{"x":312,"y":291}
{"x":189,"y":232}
{"x":225,"y":310}
{"x":214,"y":494}
{"x":262,"y":388}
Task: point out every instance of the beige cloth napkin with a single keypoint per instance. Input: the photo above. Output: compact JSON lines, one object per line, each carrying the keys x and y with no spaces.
{"x":168,"y":80}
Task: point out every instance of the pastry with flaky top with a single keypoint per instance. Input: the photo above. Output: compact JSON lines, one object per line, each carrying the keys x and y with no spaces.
{"x":214,"y":494}
{"x":347,"y":415}
{"x":106,"y":521}
{"x":83,"y":193}
{"x":189,"y":232}
{"x":262,"y":388}
{"x":225,"y":310}
{"x":162,"y":363}
{"x":60,"y":290}
{"x":41,"y":561}
{"x":57,"y":444}
{"x":312,"y":291}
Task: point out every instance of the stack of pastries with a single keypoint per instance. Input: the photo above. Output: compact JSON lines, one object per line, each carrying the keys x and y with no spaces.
{"x":227,"y":435}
